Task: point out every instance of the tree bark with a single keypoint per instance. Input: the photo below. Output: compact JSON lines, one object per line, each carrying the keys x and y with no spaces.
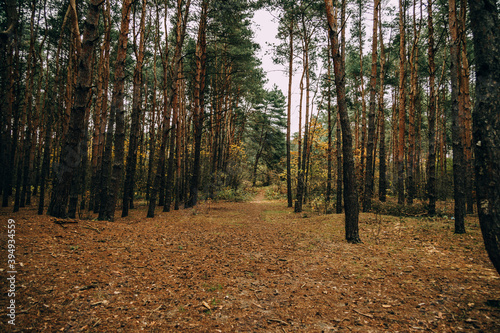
{"x":152,"y":123}
{"x":298,"y":198}
{"x":465,"y":108}
{"x":128,"y":188}
{"x":485,"y":25}
{"x":71,"y":154}
{"x":457,"y":126}
{"x":174,"y":102}
{"x":289,"y":116}
{"x":370,"y":150}
{"x":402,"y":108}
{"x":112,"y":178}
{"x":100,"y":112}
{"x":301,"y":179}
{"x":199,"y":103}
{"x":412,"y":116}
{"x":362,"y":166}
{"x":382,"y":186}
{"x":340,"y":187}
{"x":330,"y":132}
{"x":431,"y":160}
{"x":350,"y":185}
{"x":165,"y":128}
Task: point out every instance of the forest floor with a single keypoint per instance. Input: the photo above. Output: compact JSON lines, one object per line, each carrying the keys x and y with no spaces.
{"x":248,"y":267}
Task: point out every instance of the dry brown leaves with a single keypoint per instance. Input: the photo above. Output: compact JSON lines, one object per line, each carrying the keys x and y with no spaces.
{"x":249,"y":267}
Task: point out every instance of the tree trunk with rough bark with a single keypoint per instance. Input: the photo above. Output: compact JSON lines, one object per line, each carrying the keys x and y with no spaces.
{"x":71,"y":154}
{"x":112,"y":178}
{"x":457,"y":126}
{"x":351,"y":204}
{"x":382,"y":185}
{"x":485,"y":25}
{"x":402,"y":108}
{"x":412,"y":115}
{"x":128,"y":188}
{"x":431,"y":159}
{"x":289,"y":117}
{"x":199,"y":103}
{"x":370,"y":148}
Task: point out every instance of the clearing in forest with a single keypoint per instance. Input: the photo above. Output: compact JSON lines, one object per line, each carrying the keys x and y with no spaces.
{"x":249,"y":267}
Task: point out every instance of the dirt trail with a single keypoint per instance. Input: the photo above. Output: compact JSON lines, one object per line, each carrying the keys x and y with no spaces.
{"x":260,"y":197}
{"x":249,"y":267}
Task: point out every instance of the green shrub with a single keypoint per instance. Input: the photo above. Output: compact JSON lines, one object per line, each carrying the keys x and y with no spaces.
{"x":395,"y":209}
{"x":230,"y":194}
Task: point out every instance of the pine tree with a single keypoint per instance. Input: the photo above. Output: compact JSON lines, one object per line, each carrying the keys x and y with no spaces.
{"x":72,"y":152}
{"x":485,"y":23}
{"x":370,"y":150}
{"x":457,"y":126}
{"x":350,"y":184}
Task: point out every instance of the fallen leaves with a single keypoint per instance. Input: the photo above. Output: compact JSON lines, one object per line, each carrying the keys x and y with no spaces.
{"x":224,"y":269}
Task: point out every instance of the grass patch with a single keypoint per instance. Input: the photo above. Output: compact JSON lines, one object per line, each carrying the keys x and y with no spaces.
{"x":213,"y":287}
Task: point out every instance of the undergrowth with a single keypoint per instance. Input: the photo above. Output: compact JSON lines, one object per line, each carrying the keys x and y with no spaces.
{"x":394,"y":209}
{"x":275,"y":192}
{"x":232,"y":195}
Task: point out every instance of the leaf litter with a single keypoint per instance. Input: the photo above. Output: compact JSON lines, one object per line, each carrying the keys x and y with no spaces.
{"x":250,"y":267}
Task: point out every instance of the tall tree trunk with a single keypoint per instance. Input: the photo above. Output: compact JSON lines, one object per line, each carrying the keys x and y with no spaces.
{"x":164,"y":128}
{"x":485,"y":25}
{"x":51,"y":111}
{"x":175,"y":103}
{"x":368,"y":193}
{"x":402,"y":107}
{"x":338,"y":205}
{"x":362,"y":166}
{"x":46,"y":161}
{"x":431,"y":160}
{"x":382,"y":185}
{"x":152,"y":131}
{"x":178,"y":138}
{"x":465,"y":108}
{"x":412,"y":117}
{"x":118,"y":103}
{"x":394,"y":139}
{"x":340,"y":173}
{"x":289,"y":116}
{"x":441,"y":135}
{"x":457,"y":127}
{"x":112,"y":177}
{"x":38,"y":124}
{"x":199,"y":103}
{"x":30,"y":138}
{"x":330,"y":130}
{"x":128,"y":188}
{"x":298,"y":198}
{"x":72,"y":153}
{"x":100,"y":112}
{"x":301,"y":183}
{"x":46,"y":119}
{"x":350,"y":188}
{"x":7,"y":59}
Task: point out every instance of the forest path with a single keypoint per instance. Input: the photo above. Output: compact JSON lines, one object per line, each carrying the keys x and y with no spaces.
{"x":260,"y":197}
{"x":249,"y":267}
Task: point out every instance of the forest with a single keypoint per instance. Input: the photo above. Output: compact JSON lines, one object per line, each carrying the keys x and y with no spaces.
{"x":127,"y":119}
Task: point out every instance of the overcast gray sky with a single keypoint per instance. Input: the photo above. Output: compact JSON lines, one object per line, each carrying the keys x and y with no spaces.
{"x":265,"y":33}
{"x":266,"y":28}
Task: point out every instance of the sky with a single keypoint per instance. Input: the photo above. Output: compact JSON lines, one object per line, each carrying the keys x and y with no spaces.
{"x":265,"y":29}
